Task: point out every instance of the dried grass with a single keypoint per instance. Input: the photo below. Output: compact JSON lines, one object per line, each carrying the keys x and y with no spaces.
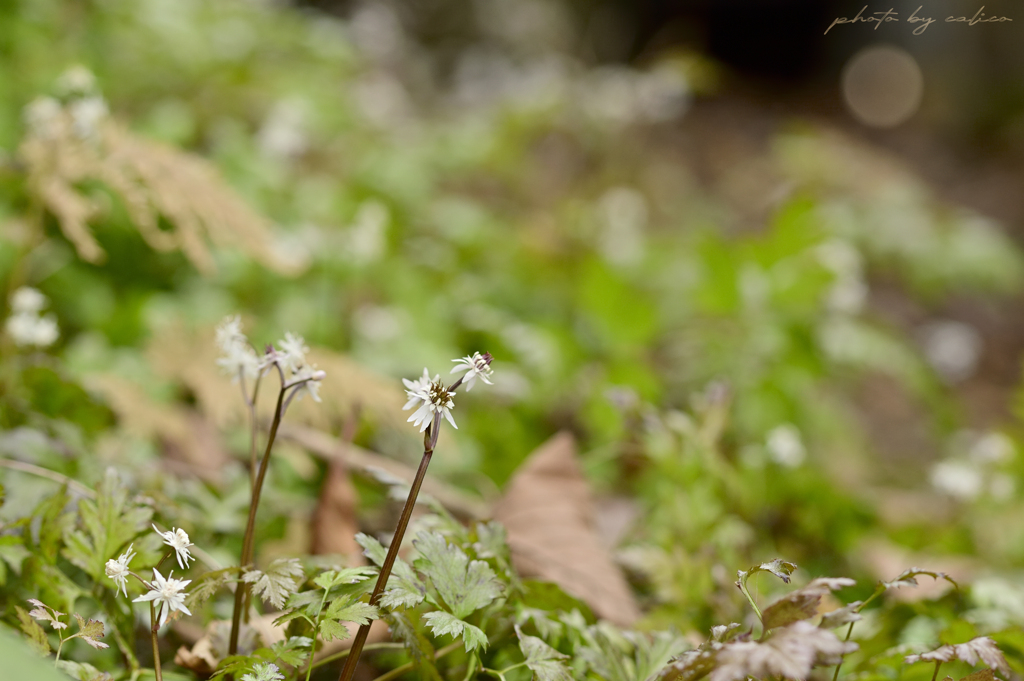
{"x":154,"y":181}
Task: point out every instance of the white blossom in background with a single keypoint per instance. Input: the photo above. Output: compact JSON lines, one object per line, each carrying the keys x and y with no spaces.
{"x":118,"y":571}
{"x":41,"y":116}
{"x":77,"y":81}
{"x":957,"y":479}
{"x":26,"y":326}
{"x":86,"y":115}
{"x":291,"y":354}
{"x":169,"y":595}
{"x":367,"y":233}
{"x":283,"y":133}
{"x":264,"y":671}
{"x":849,"y":291}
{"x":177,"y":539}
{"x":952,"y":348}
{"x":237,"y":356}
{"x":293,"y":351}
{"x":785,"y":446}
{"x":476,"y":366}
{"x":992,"y":448}
{"x":623,"y":215}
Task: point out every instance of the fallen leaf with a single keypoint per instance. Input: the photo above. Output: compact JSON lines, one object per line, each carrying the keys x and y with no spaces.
{"x":548,"y":511}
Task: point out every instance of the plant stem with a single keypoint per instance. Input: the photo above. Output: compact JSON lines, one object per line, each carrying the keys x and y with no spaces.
{"x":316,"y":627}
{"x":248,"y":540}
{"x":429,"y":440}
{"x":398,"y":671}
{"x":742,"y":584}
{"x":879,"y":590}
{"x":59,"y":646}
{"x":938,"y":663}
{"x":156,"y":646}
{"x":345,"y":653}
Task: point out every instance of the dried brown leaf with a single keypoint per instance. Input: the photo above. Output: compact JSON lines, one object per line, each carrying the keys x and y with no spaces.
{"x":548,"y":512}
{"x":790,"y":653}
{"x":802,"y":603}
{"x":982,"y":649}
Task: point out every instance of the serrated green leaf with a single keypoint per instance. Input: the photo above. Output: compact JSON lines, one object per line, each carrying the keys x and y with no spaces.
{"x":778,"y":567}
{"x":443,"y":623}
{"x":54,"y":522}
{"x":908,"y":578}
{"x":34,"y":632}
{"x":278,"y":582}
{"x":264,"y":671}
{"x":545,"y":661}
{"x":109,"y":523}
{"x":205,"y":586}
{"x":463,"y":585}
{"x":333,"y":578}
{"x":404,"y":589}
{"x":293,"y":651}
{"x":409,"y":629}
{"x":91,"y":631}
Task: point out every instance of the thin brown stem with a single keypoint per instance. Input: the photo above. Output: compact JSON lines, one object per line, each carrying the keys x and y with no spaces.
{"x":396,"y":542}
{"x":249,"y":539}
{"x":938,"y":663}
{"x":398,"y":671}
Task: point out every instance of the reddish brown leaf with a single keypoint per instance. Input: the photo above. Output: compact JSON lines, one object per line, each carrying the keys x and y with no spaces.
{"x":548,"y":511}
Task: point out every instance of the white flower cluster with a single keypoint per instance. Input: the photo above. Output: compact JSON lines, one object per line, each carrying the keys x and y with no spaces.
{"x":977,"y":468}
{"x":26,"y":326}
{"x":80,"y":105}
{"x":238,"y":358}
{"x":168,"y":593}
{"x":431,"y":397}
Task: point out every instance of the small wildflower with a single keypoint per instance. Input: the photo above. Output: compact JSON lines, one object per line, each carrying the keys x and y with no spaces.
{"x":436,"y":399}
{"x":86,"y":115}
{"x":168,"y":593}
{"x":26,"y":326}
{"x":478,"y":366}
{"x":237,"y":357}
{"x":418,"y":389}
{"x":309,"y":377}
{"x":118,"y":571}
{"x":178,"y":540}
{"x":293,"y":352}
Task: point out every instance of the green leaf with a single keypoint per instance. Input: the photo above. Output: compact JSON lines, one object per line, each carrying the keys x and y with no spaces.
{"x":464,"y":585}
{"x":13,"y":553}
{"x":408,"y":627}
{"x":90,"y":631}
{"x":404,"y":589}
{"x":278,"y":582}
{"x":333,"y":578}
{"x":205,"y":586}
{"x":908,"y":578}
{"x":293,"y":651}
{"x":109,"y":524}
{"x":778,"y":567}
{"x":83,"y":671}
{"x":442,"y":623}
{"x":34,"y":632}
{"x":345,"y":610}
{"x":54,"y":521}
{"x":263,"y":671}
{"x":545,"y":661}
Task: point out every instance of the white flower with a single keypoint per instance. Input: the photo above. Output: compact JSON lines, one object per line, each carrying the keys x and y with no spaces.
{"x":177,"y":540}
{"x":237,"y":357}
{"x":27,"y":299}
{"x":957,"y":479}
{"x":785,"y":446}
{"x":418,"y":390}
{"x":28,"y":328}
{"x":436,"y":399}
{"x":309,"y":378}
{"x":478,"y":366}
{"x":86,"y":115}
{"x":293,"y":352}
{"x":118,"y":571}
{"x":168,"y":593}
{"x":42,"y":116}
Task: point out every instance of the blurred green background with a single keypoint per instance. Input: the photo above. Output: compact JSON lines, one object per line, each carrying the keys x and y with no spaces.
{"x":774,"y":326}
